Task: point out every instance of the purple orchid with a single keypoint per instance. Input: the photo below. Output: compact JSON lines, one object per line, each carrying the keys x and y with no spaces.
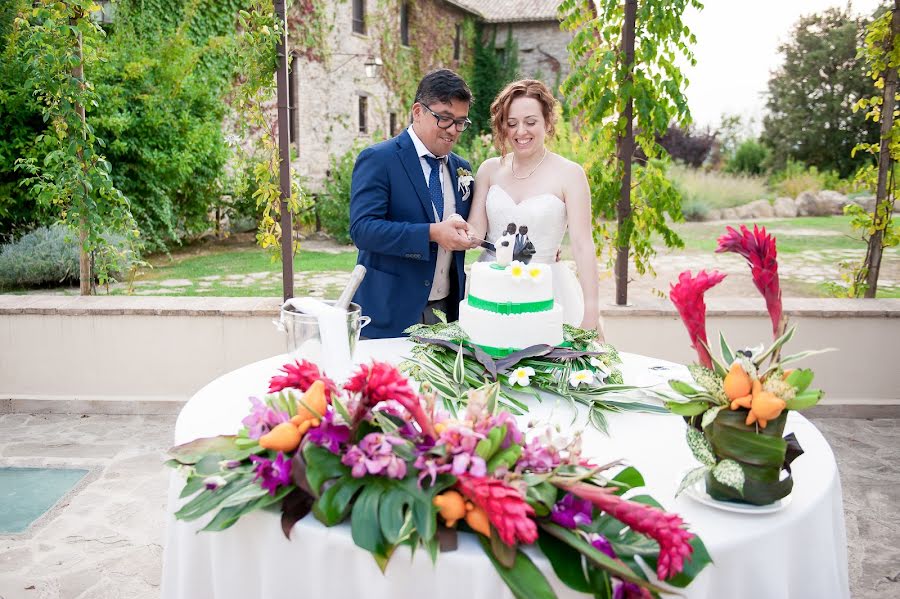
{"x":538,"y":456}
{"x":272,"y":473}
{"x":329,"y":435}
{"x":571,"y":512}
{"x":623,"y":589}
{"x":602,"y":544}
{"x":375,"y":455}
{"x":262,"y":418}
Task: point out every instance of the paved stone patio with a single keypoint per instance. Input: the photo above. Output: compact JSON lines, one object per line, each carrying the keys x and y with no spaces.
{"x":105,"y":540}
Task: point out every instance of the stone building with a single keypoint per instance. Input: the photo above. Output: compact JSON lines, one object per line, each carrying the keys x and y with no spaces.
{"x":353,"y":99}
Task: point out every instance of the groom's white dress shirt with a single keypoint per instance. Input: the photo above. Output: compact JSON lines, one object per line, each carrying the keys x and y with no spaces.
{"x":440,"y":287}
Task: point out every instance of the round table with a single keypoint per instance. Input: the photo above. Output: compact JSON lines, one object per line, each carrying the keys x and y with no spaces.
{"x":795,"y":553}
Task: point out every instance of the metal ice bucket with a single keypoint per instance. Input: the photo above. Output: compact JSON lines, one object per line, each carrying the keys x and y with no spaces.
{"x":303,"y":332}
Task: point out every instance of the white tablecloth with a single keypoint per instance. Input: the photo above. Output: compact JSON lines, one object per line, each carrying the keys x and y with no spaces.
{"x":796,"y":553}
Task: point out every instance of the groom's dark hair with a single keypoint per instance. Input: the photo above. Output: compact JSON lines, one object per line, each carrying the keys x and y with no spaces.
{"x":442,"y":85}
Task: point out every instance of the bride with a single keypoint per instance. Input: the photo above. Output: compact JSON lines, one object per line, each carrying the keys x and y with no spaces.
{"x":532,"y":186}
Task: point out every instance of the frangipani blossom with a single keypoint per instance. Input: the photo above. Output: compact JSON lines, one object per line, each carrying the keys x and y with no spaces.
{"x":521,"y":376}
{"x":581,"y":376}
{"x":516,"y":270}
{"x":535,"y":273}
{"x":687,"y":295}
{"x":603,"y":370}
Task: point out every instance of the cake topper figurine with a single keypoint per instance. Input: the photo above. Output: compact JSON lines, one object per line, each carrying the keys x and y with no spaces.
{"x":523,"y":249}
{"x":505,"y":245}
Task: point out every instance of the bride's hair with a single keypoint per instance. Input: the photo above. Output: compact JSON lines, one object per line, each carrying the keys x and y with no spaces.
{"x":524,"y":88}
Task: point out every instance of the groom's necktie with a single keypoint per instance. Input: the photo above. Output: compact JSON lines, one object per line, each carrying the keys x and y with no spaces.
{"x":434,"y":185}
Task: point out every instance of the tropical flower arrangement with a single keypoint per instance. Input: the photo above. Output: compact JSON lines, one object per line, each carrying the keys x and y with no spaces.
{"x":404,"y":472}
{"x":736,"y":406}
{"x":580,"y":371}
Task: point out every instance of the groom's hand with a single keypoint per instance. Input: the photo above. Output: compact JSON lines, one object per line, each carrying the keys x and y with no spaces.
{"x":451,"y":234}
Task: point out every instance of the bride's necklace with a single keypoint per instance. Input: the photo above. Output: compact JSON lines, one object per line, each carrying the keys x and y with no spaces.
{"x":513,"y":166}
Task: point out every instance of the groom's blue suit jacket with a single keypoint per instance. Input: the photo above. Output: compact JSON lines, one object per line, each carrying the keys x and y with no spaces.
{"x":390,"y":212}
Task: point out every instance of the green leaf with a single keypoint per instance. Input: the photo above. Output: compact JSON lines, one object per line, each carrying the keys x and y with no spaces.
{"x":229,"y":515}
{"x":730,"y":473}
{"x":804,"y":400}
{"x":627,"y":479}
{"x":758,"y":360}
{"x":804,"y":354}
{"x":394,"y":513}
{"x":207,"y":501}
{"x":710,"y":415}
{"x":541,"y":497}
{"x":223,"y":447}
{"x":700,"y":447}
{"x":524,"y":579}
{"x":322,"y":465}
{"x":333,"y":505}
{"x":598,"y":558}
{"x":683,"y":388}
{"x":727,"y":354}
{"x":687,"y":408}
{"x":566,"y":561}
{"x":691,"y":478}
{"x":364,"y":525}
{"x":800,"y":379}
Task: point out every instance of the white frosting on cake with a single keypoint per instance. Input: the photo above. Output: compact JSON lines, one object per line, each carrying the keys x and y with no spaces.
{"x":516,"y":331}
{"x":495,"y":285}
{"x":512,"y":286}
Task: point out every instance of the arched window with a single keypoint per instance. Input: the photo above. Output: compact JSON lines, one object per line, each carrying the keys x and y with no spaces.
{"x":359,"y":16}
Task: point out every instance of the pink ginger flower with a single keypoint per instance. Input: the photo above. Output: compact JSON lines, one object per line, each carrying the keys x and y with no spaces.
{"x":505,"y":508}
{"x":381,"y":381}
{"x":758,"y":248}
{"x":687,"y":295}
{"x":666,"y":528}
{"x":300,"y":375}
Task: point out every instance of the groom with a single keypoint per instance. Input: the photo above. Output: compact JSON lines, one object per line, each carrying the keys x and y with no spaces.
{"x":404,"y":198}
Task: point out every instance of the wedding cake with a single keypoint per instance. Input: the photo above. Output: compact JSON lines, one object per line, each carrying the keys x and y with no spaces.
{"x":511,"y":307}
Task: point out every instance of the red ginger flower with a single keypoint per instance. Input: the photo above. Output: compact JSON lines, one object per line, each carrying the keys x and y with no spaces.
{"x":300,"y":375}
{"x":381,"y":381}
{"x":666,"y":528}
{"x":505,"y":508}
{"x":759,"y":249}
{"x":687,"y":295}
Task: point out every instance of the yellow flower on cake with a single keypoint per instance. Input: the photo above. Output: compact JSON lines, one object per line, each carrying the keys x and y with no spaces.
{"x":521,"y":376}
{"x":581,"y":376}
{"x":517,"y":270}
{"x":535,"y":272}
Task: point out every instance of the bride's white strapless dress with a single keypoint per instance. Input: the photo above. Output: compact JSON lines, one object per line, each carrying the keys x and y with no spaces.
{"x":546,"y":219}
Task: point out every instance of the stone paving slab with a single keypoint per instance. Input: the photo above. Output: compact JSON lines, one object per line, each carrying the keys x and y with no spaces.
{"x":106,"y":539}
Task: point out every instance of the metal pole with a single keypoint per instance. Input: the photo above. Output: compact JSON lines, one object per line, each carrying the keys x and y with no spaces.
{"x":284,"y":153}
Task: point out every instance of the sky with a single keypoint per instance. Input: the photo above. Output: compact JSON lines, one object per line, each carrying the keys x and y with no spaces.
{"x":737,"y":49}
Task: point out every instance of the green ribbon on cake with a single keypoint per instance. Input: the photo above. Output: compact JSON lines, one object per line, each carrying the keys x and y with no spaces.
{"x":510,"y":307}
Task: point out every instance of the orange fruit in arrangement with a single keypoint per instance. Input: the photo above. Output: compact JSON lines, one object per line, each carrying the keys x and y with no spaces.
{"x":451,"y":506}
{"x":765,"y":406}
{"x":284,"y":437}
{"x":477,"y":520}
{"x":315,"y":399}
{"x":737,"y":382}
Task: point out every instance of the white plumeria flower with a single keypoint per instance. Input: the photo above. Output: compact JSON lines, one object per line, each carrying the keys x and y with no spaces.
{"x":602,"y":369}
{"x":517,"y":270}
{"x":521,"y":376}
{"x":535,"y":272}
{"x":581,"y":376}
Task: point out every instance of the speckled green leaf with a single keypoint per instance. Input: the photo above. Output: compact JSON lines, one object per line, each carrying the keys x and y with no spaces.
{"x":729,"y":472}
{"x":700,"y":447}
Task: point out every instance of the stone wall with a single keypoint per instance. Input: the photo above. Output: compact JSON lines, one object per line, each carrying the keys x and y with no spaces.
{"x":541,"y":50}
{"x":329,"y":123}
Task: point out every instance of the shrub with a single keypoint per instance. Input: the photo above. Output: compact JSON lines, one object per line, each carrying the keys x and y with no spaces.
{"x":49,"y":256}
{"x":694,"y":210}
{"x":749,"y":158}
{"x":687,"y":145}
{"x":333,"y":204}
{"x":716,"y":189}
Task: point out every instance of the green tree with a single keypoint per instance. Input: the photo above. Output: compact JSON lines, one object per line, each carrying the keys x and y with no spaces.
{"x":59,"y":43}
{"x":810,"y":95}
{"x":881,"y":51}
{"x":492,"y":68}
{"x":749,"y":158}
{"x":626,"y":87}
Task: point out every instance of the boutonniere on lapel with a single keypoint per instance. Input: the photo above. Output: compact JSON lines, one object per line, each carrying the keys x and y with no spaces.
{"x":464,"y":182}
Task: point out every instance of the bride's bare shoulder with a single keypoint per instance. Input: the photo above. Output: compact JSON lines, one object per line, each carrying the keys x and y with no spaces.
{"x":566,"y":166}
{"x":489,"y":166}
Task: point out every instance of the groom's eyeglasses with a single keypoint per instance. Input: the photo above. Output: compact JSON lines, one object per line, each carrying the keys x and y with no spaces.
{"x":445,"y":122}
